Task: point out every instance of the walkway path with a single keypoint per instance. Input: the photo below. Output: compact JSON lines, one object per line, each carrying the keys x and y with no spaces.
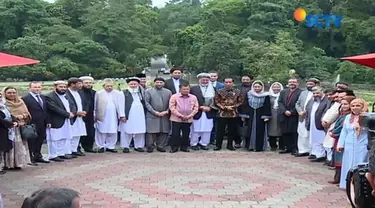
{"x":184,"y":180}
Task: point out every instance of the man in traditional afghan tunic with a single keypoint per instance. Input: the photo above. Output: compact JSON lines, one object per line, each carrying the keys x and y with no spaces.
{"x":80,"y":108}
{"x":288,"y":116}
{"x":203,"y":120}
{"x":157,"y":116}
{"x":303,"y":143}
{"x":60,"y":133}
{"x":87,"y":142}
{"x":227,"y":99}
{"x":315,"y":109}
{"x":134,"y":125}
{"x":108,"y":110}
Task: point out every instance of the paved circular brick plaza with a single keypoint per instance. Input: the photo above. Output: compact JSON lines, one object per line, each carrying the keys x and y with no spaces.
{"x":185,"y":180}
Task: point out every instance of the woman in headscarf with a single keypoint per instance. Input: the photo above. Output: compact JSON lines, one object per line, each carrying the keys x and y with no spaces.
{"x":258,"y":108}
{"x":19,"y":156}
{"x":6,"y":132}
{"x":353,"y":140}
{"x":335,"y":133}
{"x":274,"y":130}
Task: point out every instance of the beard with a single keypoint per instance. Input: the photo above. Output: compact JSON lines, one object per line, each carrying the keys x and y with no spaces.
{"x":134,"y":90}
{"x":204,"y":85}
{"x":61,"y":92}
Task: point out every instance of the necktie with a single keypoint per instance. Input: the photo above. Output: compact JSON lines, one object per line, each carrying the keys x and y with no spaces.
{"x":39,"y":101}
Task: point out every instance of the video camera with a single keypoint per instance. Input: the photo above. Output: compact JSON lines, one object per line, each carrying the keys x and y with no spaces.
{"x":361,"y":196}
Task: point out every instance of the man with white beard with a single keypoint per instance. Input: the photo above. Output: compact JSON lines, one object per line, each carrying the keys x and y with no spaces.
{"x":134,"y":125}
{"x":107,"y":112}
{"x":80,"y":110}
{"x":60,"y":133}
{"x":203,"y":120}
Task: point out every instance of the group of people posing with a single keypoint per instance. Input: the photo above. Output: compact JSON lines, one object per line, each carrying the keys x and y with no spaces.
{"x":319,"y":124}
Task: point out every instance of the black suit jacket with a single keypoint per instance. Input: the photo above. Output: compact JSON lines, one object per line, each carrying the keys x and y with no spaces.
{"x":56,"y":110}
{"x":88,"y":96}
{"x":196,"y":90}
{"x":169,"y":84}
{"x":73,"y":105}
{"x":289,"y":124}
{"x":39,"y":115}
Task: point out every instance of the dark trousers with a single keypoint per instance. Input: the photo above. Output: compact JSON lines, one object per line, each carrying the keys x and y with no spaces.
{"x":35,"y":145}
{"x":87,"y":142}
{"x":213,"y":132}
{"x":273,"y":141}
{"x":222,"y":123}
{"x":180,"y":134}
{"x":290,"y":141}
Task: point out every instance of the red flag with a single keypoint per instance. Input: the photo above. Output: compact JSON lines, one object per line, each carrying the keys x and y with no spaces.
{"x":11,"y":60}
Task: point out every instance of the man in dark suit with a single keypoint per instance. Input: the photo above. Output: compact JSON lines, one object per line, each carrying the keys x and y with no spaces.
{"x":288,"y":116}
{"x":61,"y":115}
{"x":75,"y":96}
{"x":203,"y":120}
{"x":37,"y":106}
{"x":214,"y":77}
{"x":88,"y":95}
{"x":173,"y":84}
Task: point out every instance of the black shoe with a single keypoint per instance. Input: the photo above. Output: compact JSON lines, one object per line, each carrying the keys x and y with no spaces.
{"x":173,"y":150}
{"x":90,"y":150}
{"x":33,"y":164}
{"x":150,"y":149}
{"x":204,"y":148}
{"x":101,"y":150}
{"x":2,"y":172}
{"x":311,"y":157}
{"x":111,"y":150}
{"x":41,"y":160}
{"x":56,"y":159}
{"x":160,"y":149}
{"x":66,"y":157}
{"x":217,"y":148}
{"x":237,"y":146}
{"x":126,"y":150}
{"x":139,"y":149}
{"x":273,"y":149}
{"x":302,"y":154}
{"x":285,"y":152}
{"x":73,"y":156}
{"x":195,"y":148}
{"x":231,"y":148}
{"x":294,"y":153}
{"x":321,"y":159}
{"x":78,"y":154}
{"x":184,"y":149}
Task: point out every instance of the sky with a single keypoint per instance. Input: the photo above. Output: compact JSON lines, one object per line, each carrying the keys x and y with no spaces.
{"x":157,"y":3}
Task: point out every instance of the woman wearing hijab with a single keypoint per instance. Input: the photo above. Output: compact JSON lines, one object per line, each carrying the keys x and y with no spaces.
{"x":258,"y":108}
{"x":274,"y":130}
{"x":353,"y":140}
{"x":19,"y":156}
{"x":6,"y":131}
{"x":335,"y":133}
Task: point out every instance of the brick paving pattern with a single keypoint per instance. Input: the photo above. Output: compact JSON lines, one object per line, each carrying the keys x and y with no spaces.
{"x":185,"y":180}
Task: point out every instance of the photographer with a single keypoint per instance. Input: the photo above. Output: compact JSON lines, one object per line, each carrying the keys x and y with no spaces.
{"x":361,"y":178}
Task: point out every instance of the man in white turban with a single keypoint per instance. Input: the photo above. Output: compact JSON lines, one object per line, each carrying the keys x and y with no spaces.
{"x":203,"y":120}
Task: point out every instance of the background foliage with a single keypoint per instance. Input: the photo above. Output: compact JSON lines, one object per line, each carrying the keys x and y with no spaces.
{"x":115,"y":38}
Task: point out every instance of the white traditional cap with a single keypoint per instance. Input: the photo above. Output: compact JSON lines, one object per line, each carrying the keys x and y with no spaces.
{"x":86,"y":78}
{"x":203,"y":75}
{"x":60,"y":82}
{"x":133,"y":79}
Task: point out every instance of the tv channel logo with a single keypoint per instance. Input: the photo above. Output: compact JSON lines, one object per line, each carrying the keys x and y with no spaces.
{"x":317,"y":20}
